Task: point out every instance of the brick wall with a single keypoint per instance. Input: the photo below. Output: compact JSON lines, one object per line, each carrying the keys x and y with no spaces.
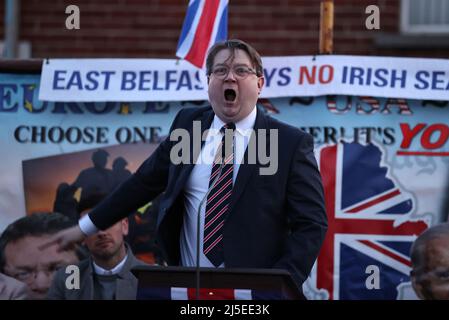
{"x":2,"y":19}
{"x":150,"y":28}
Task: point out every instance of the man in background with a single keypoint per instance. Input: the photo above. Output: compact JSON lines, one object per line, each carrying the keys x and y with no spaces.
{"x":106,"y":274}
{"x":96,"y":179}
{"x":430,"y":263}
{"x":21,"y":259}
{"x":257,"y":214}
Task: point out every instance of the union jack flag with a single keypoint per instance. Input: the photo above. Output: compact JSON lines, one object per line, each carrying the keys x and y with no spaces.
{"x":206,"y":23}
{"x":369,"y":224}
{"x":182,"y":293}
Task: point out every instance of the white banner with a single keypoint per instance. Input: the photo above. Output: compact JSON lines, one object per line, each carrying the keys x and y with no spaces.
{"x":132,"y":80}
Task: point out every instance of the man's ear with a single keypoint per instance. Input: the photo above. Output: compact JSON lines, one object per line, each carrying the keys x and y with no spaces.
{"x":260,"y":83}
{"x":125,"y":226}
{"x":417,"y":287}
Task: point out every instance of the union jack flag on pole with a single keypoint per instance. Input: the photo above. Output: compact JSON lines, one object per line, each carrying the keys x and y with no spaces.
{"x":206,"y":23}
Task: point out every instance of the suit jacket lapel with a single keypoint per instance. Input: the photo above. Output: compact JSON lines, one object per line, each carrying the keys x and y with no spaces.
{"x":195,"y":147}
{"x":88,"y":283}
{"x":126,"y":282}
{"x":246,"y":170}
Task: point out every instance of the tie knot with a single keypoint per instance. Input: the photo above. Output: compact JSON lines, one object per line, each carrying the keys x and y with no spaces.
{"x":230,"y":125}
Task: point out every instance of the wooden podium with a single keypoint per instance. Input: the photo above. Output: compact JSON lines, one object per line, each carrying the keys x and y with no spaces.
{"x":168,"y":283}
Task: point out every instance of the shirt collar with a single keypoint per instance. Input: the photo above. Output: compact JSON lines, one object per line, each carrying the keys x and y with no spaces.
{"x":104,"y":272}
{"x":242,"y":126}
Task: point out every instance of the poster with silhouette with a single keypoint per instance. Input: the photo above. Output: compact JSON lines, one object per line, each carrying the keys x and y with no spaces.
{"x":65,"y":183}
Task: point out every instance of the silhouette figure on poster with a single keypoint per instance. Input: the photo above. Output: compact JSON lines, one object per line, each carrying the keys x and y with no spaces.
{"x":65,"y":202}
{"x":97,"y":179}
{"x":119,"y":171}
{"x":97,"y":182}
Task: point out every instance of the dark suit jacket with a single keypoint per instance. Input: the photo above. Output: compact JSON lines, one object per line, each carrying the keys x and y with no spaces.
{"x":274,"y":221}
{"x":126,"y":282}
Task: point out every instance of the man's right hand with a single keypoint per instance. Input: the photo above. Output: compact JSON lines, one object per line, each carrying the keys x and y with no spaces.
{"x":65,"y":239}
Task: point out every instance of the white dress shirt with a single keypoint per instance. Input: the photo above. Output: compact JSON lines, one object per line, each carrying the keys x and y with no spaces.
{"x":197,"y":185}
{"x":105,"y":272}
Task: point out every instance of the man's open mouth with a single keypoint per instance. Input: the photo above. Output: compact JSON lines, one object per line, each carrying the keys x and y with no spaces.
{"x":230,"y":95}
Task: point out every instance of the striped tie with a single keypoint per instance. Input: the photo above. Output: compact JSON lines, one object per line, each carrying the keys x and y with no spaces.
{"x":218,"y":199}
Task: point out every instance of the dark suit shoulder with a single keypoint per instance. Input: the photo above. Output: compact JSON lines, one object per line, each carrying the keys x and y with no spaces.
{"x":186,"y":115}
{"x":136,"y":263}
{"x":133,"y":261}
{"x":58,"y":290}
{"x":287,"y":132}
{"x":84,"y":264}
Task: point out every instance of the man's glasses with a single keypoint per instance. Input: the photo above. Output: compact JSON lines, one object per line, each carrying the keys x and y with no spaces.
{"x":240,"y":72}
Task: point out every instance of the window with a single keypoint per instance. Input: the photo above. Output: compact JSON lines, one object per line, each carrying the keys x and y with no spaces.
{"x":425,"y":16}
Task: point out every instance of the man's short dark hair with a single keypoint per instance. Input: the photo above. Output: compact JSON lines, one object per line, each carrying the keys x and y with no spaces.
{"x":100,"y":153}
{"x":37,"y":224}
{"x":232,"y":45}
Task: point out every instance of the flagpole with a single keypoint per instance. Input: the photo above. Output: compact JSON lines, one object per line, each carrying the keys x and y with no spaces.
{"x":326,"y":26}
